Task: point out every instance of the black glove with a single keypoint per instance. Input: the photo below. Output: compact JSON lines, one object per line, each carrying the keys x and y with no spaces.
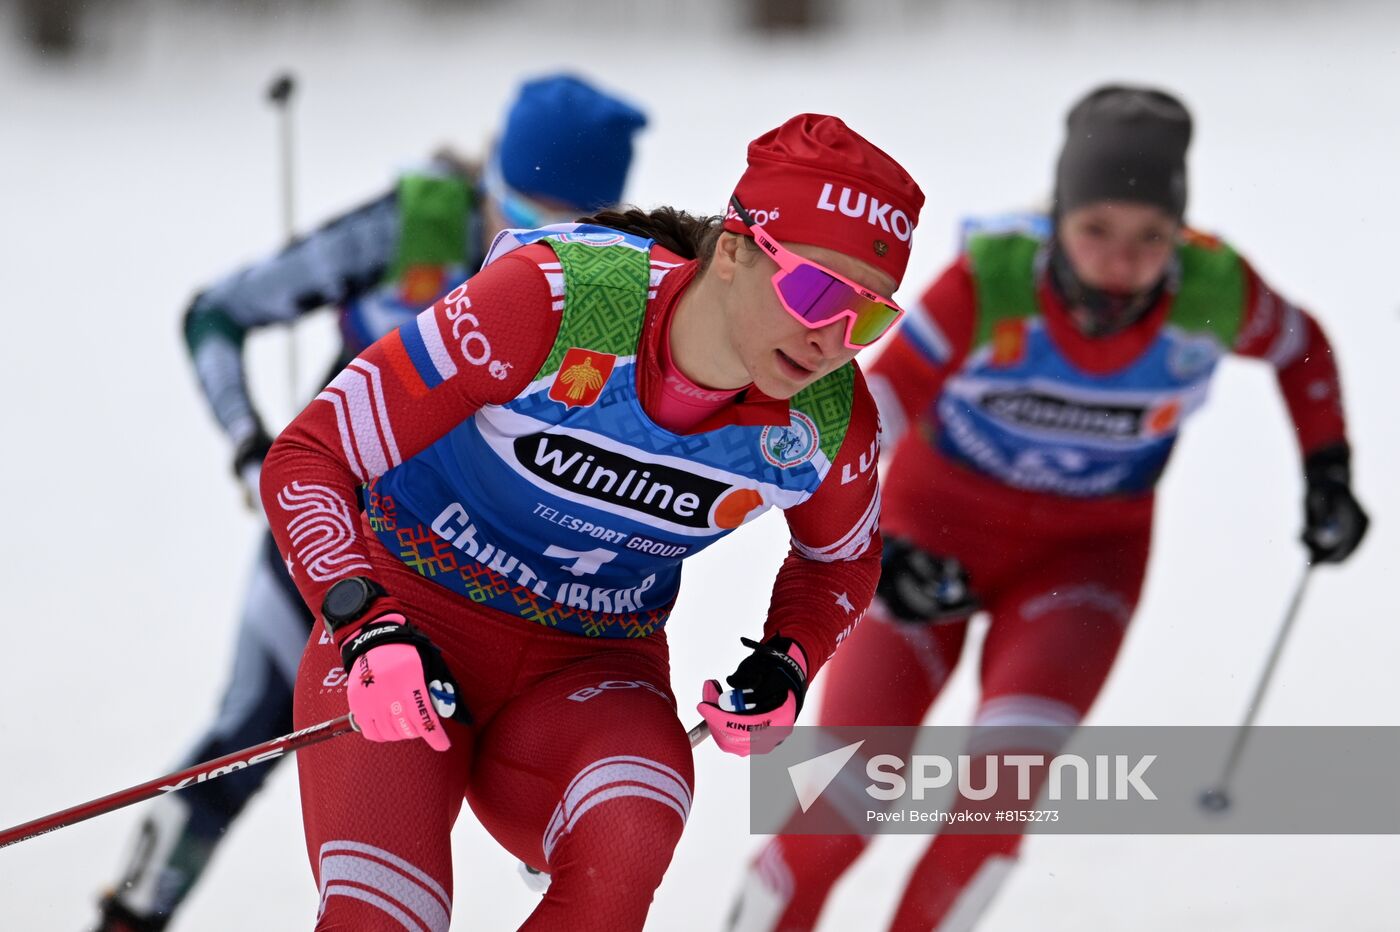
{"x":770,"y":674}
{"x":252,"y":450}
{"x":247,"y":466}
{"x":918,"y":586}
{"x":1334,"y":522}
{"x":766,"y":694}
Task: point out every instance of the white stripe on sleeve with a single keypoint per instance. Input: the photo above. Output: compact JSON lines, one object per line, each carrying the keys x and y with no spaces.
{"x":437,"y":350}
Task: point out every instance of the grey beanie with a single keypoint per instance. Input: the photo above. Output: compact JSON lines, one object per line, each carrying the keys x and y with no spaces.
{"x":1124,"y":144}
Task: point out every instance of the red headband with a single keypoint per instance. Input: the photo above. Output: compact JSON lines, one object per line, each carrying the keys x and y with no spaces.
{"x":815,"y":180}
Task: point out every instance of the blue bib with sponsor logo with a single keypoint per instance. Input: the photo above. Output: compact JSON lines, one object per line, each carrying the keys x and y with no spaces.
{"x":1020,"y":411}
{"x":568,"y":506}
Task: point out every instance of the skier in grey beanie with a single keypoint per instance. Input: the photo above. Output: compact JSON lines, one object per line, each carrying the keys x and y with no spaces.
{"x":1125,"y":148}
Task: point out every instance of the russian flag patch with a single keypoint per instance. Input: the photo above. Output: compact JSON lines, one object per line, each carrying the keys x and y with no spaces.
{"x":421,"y":351}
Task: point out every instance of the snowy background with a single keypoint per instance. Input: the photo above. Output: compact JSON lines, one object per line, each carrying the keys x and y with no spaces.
{"x":139,"y":171}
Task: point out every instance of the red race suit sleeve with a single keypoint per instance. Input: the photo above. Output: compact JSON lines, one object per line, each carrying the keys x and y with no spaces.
{"x":828,"y":578}
{"x":1278,"y":331}
{"x":481,"y":344}
{"x":931,"y":343}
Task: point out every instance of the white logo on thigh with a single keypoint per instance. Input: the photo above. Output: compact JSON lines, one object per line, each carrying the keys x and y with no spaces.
{"x":588,"y":692}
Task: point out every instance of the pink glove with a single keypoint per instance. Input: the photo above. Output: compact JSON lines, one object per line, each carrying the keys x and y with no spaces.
{"x":389,"y":694}
{"x":759,"y":712}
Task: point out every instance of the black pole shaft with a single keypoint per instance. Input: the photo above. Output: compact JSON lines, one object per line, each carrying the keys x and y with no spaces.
{"x":1218,"y":798}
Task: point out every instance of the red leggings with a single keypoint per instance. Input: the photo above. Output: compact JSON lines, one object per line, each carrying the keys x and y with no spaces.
{"x":1060,"y":581}
{"x":577,"y":763}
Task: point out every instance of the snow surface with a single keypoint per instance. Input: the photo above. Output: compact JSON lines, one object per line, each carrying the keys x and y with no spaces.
{"x":134,"y":177}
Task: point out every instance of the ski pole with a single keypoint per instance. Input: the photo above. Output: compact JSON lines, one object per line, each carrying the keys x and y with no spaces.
{"x":280,"y":93}
{"x":1217,"y":799}
{"x":202,"y":773}
{"x":199,"y":773}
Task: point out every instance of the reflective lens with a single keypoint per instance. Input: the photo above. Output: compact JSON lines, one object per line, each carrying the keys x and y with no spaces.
{"x":817,"y":298}
{"x":872,"y":322}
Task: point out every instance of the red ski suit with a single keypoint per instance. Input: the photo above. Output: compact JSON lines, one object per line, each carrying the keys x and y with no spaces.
{"x":1060,"y":577}
{"x":577,"y":761}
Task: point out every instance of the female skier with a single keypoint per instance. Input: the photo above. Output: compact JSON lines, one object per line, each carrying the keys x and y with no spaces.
{"x":1044,"y":377}
{"x":489,"y":509}
{"x":380,"y":265}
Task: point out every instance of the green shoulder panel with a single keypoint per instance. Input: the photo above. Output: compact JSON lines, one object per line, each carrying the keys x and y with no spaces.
{"x":827,"y":401}
{"x":434,"y":215}
{"x":1210,"y":298}
{"x":1003,"y":273}
{"x":605,"y":300}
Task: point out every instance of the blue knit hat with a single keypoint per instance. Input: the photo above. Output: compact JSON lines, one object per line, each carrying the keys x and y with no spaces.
{"x":568,"y":141}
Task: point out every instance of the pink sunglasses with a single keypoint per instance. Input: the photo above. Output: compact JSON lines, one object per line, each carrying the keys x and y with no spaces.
{"x":816,"y":296}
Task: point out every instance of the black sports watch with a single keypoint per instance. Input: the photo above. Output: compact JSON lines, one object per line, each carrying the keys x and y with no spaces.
{"x":348,"y":601}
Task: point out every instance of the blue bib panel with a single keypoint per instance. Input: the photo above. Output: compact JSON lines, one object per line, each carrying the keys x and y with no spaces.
{"x":568,"y":506}
{"x":1020,"y":411}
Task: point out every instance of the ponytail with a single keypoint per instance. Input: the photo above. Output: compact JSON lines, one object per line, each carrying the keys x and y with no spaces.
{"x":684,"y":234}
